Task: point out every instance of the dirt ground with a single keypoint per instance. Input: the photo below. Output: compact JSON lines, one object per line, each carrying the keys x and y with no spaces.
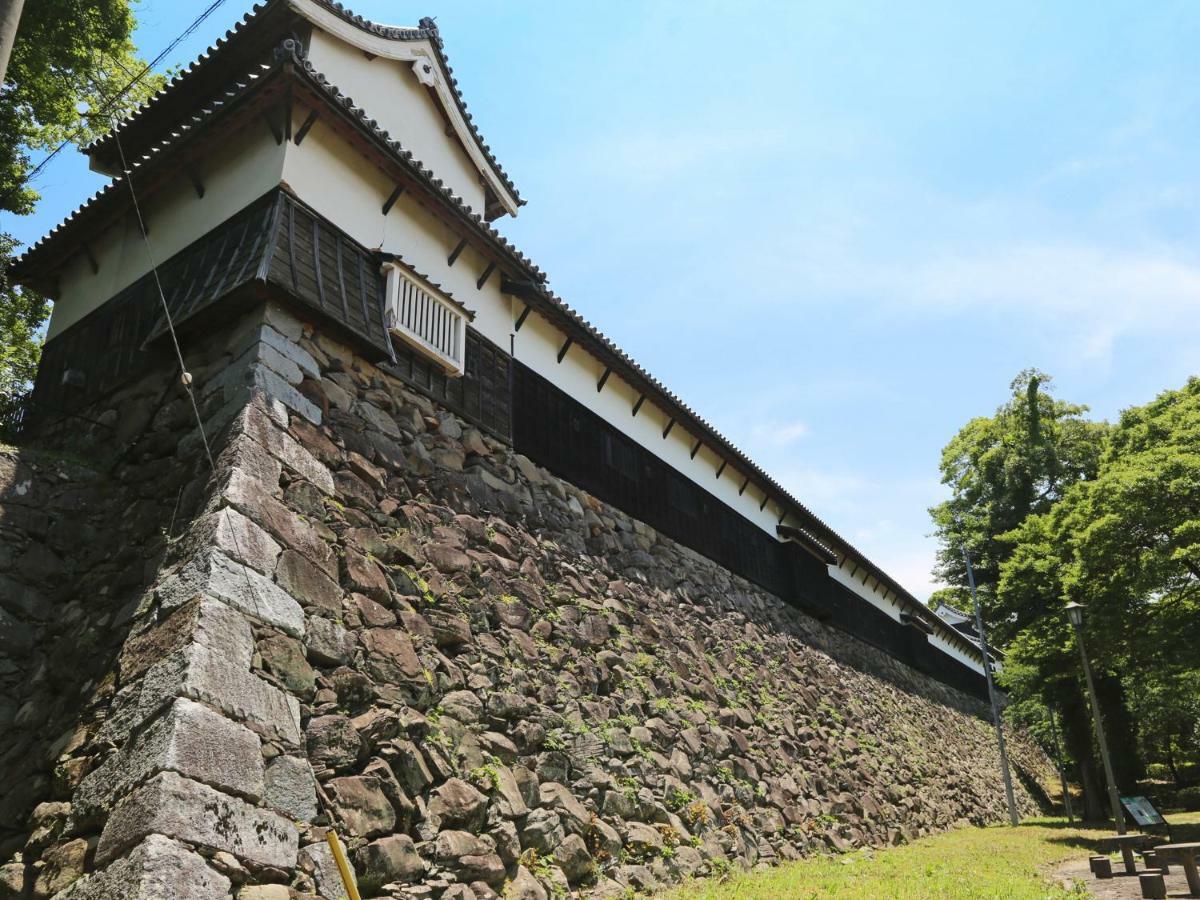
{"x":1120,"y":886}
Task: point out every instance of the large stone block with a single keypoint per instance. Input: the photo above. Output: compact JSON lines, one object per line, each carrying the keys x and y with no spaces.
{"x":291,"y":788}
{"x":393,"y":858}
{"x":317,"y":861}
{"x":237,"y":537}
{"x":186,"y":810}
{"x":245,"y":455}
{"x":308,"y":584}
{"x":213,"y":574}
{"x":156,"y":869}
{"x":187,"y":738}
{"x":249,"y":497}
{"x":256,"y":424}
{"x":329,"y":643}
{"x":199,"y":673}
{"x":261,"y":374}
{"x":206,"y":622}
{"x":362,"y":805}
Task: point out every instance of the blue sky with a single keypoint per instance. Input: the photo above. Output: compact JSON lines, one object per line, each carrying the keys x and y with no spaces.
{"x":838,"y":230}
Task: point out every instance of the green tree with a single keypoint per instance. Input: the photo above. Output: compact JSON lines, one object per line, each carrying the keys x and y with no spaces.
{"x":1126,"y":544}
{"x":1007,"y":472}
{"x":71,"y":63}
{"x":1001,"y":470}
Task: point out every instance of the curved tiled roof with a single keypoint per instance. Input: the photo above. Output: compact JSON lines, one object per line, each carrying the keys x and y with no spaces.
{"x":427,"y":30}
{"x":569,"y":318}
{"x":290,"y":51}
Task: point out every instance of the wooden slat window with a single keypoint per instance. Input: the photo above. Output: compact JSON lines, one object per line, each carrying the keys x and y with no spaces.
{"x":426,"y":319}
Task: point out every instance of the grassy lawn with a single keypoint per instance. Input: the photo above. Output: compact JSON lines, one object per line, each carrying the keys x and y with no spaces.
{"x":999,"y":862}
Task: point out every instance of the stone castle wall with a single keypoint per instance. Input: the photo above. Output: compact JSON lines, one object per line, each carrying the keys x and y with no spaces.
{"x":373,"y":617}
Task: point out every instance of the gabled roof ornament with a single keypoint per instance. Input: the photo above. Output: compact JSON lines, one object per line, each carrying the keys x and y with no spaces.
{"x":426,"y":71}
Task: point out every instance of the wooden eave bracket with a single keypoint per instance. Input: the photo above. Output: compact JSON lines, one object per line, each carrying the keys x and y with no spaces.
{"x":603,"y":379}
{"x":392,"y":198}
{"x":562,"y":353}
{"x":309,"y":121}
{"x":91,"y":257}
{"x":487,"y":273}
{"x":637,"y":406}
{"x":454,"y":254}
{"x":670,"y":425}
{"x":197,"y":184}
{"x":522,"y":317}
{"x":721,"y":469}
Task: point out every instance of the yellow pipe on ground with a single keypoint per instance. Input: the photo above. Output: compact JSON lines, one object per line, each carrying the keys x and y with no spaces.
{"x":339,"y":857}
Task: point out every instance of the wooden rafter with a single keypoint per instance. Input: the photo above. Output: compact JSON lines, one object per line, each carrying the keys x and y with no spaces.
{"x":91,"y":257}
{"x":562,"y":353}
{"x":275,"y":132}
{"x":309,"y":121}
{"x":392,"y":198}
{"x":522,"y":317}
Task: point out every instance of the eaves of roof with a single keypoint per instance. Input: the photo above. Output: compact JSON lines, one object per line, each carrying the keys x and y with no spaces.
{"x":527,"y":285}
{"x":261,"y":84}
{"x":260,"y":29}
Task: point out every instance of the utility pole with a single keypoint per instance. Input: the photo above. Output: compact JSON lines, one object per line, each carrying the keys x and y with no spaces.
{"x":10,"y":16}
{"x":987,"y":671}
{"x":1062,"y":772}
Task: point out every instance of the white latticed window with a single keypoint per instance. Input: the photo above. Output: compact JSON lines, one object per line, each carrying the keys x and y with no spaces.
{"x":419,"y":314}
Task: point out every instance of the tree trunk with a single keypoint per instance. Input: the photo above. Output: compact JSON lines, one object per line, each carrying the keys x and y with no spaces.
{"x":1121,"y":731}
{"x":1078,"y":737}
{"x":1170,"y":755}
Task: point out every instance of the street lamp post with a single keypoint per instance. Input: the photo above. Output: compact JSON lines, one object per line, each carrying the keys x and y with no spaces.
{"x":1075,"y":615}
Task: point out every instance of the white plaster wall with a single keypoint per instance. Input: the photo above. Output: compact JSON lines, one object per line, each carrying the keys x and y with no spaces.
{"x":245,"y":168}
{"x":389,"y":92}
{"x":338,"y":183}
{"x":950,"y":649}
{"x":537,"y":346}
{"x":872,"y":595}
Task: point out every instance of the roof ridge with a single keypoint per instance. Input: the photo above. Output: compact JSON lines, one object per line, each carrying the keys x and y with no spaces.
{"x":427,"y":30}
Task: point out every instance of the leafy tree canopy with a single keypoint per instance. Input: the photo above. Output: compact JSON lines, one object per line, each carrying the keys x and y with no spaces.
{"x":1002,"y":469}
{"x":71,"y":61}
{"x":1126,"y":544}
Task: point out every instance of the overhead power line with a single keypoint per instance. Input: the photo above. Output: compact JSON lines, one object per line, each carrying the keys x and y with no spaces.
{"x":106,"y":109}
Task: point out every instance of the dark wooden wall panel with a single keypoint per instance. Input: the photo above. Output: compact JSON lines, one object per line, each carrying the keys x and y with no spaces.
{"x":480,"y":395}
{"x":558,"y":432}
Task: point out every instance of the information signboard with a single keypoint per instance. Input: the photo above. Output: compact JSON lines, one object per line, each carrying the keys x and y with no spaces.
{"x":1142,"y":811}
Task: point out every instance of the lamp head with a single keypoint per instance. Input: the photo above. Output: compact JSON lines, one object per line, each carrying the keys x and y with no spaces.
{"x":1075,"y":613}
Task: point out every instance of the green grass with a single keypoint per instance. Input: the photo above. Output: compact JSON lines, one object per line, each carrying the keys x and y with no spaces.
{"x":996,"y":862}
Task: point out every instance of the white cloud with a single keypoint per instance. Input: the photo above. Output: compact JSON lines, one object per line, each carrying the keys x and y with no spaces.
{"x":780,"y":434}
